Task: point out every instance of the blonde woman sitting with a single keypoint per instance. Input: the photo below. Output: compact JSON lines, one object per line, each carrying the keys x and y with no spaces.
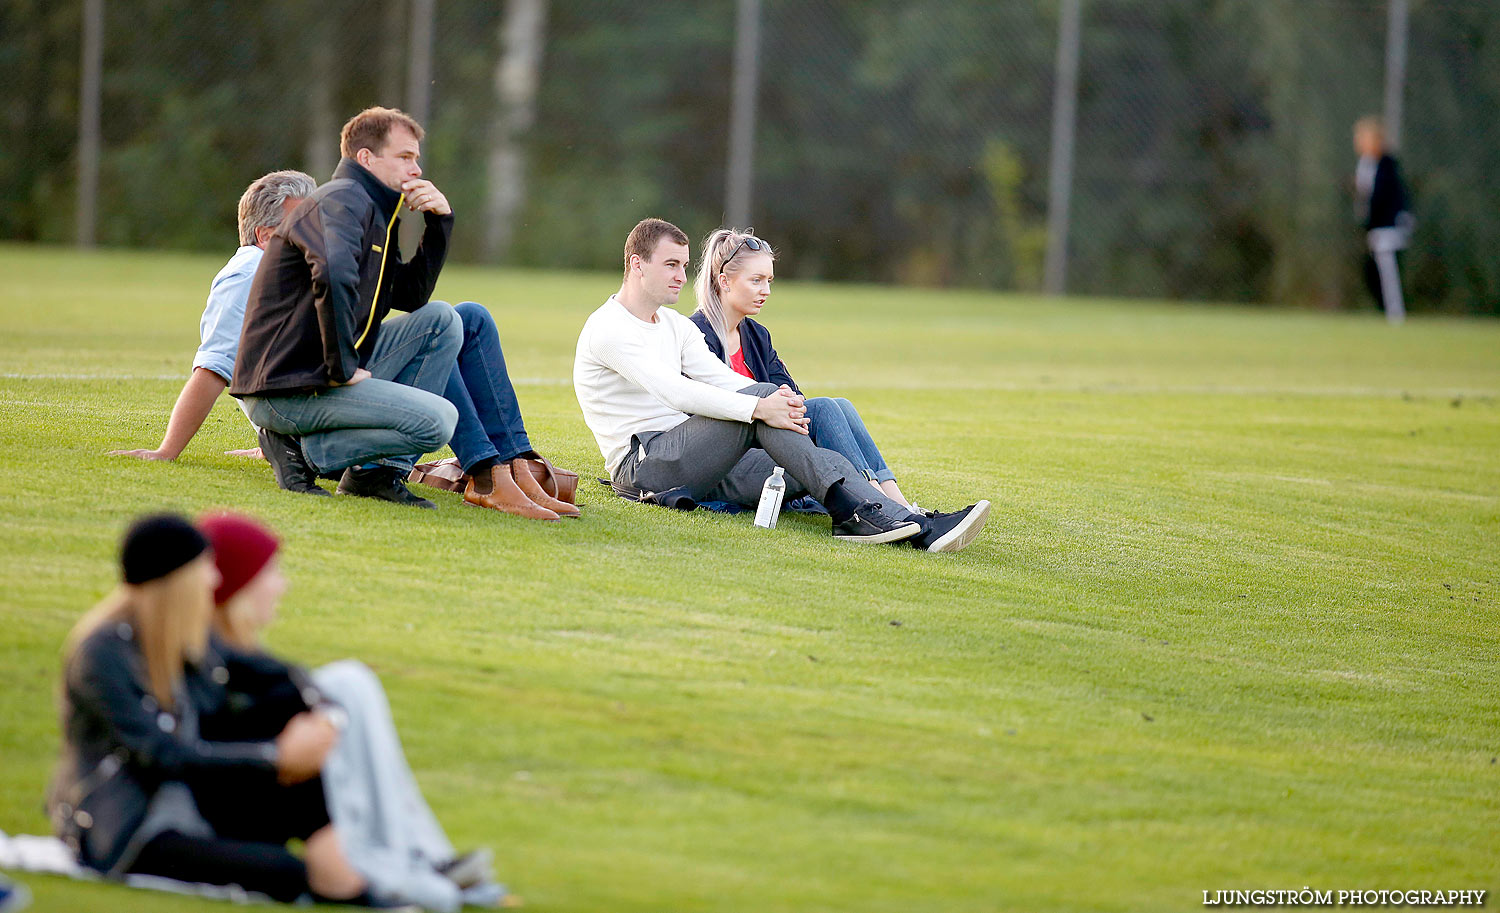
{"x":733,"y":283}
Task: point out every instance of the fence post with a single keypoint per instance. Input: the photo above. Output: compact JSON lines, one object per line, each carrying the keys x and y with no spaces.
{"x":419,"y":66}
{"x":741,"y":164}
{"x":1395,"y":70}
{"x":322,"y":151}
{"x":523,"y":36}
{"x":1060,"y":169}
{"x":88,"y":122}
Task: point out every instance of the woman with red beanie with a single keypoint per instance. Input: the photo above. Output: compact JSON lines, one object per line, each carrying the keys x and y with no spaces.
{"x":387,"y":829}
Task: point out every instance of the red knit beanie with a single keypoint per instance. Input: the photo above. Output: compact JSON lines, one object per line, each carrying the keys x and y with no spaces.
{"x":241,"y":548}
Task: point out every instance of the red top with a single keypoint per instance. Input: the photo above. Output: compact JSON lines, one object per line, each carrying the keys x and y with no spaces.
{"x":737,"y":362}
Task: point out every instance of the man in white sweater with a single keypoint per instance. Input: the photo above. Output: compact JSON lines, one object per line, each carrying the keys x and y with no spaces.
{"x":669,"y":416}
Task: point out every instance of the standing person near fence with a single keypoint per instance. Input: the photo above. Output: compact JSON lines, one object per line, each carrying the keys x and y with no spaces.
{"x":1381,"y":205}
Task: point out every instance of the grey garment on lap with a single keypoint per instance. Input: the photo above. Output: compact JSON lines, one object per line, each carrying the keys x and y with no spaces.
{"x":718,"y":460}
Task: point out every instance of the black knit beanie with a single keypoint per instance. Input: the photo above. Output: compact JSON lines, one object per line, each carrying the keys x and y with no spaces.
{"x":157,"y":545}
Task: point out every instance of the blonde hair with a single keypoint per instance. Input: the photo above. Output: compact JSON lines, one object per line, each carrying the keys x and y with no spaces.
{"x":230,"y":623}
{"x":719,"y":258}
{"x":171,"y":617}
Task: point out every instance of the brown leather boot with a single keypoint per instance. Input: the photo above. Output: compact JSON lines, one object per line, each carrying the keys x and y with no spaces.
{"x":503,"y":495}
{"x":559,"y":483}
{"x":533,"y":490}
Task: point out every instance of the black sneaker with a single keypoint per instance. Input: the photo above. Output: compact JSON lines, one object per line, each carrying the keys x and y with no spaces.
{"x":952,"y":532}
{"x":871,"y":524}
{"x":288,"y":464}
{"x":383,"y":484}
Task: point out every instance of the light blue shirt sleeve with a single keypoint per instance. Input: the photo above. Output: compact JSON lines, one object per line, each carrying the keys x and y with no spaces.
{"x":224,"y":315}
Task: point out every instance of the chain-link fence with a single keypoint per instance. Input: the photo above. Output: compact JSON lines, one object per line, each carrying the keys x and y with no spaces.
{"x":893,"y":141}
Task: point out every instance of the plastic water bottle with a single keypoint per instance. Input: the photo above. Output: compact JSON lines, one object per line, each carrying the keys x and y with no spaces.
{"x":770,"y":500}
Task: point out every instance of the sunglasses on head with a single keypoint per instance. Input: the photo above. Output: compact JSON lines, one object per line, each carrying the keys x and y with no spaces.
{"x":749,"y":241}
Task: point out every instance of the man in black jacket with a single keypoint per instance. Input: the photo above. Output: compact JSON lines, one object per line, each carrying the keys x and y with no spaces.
{"x":1380,"y":203}
{"x":329,"y":384}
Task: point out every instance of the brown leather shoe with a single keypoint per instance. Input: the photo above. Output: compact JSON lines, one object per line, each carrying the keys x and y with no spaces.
{"x":533,"y":490}
{"x":505,"y":496}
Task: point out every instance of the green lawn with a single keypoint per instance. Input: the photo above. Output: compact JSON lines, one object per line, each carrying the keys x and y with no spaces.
{"x":1232,"y":624}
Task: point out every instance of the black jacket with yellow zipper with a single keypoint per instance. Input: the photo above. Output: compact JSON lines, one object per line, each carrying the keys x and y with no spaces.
{"x":330,"y":274}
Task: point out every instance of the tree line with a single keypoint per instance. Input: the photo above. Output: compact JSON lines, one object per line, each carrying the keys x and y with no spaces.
{"x":896,"y":141}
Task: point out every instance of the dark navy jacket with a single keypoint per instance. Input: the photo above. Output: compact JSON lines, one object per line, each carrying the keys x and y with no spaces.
{"x":755,"y":344}
{"x":1387,"y":195}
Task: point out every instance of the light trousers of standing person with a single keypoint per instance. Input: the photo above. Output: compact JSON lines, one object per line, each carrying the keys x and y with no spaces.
{"x":1384,"y":243}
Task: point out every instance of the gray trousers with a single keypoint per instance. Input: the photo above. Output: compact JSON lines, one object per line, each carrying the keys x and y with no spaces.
{"x":717,"y":460}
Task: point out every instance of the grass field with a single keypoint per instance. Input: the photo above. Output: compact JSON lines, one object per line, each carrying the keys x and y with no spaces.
{"x":1232,"y":624}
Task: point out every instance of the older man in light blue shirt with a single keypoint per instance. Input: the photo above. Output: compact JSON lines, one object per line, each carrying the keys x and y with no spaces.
{"x":261,"y":209}
{"x":220,"y":326}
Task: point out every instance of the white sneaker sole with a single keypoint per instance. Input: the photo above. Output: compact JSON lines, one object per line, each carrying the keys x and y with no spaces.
{"x":965,"y":532}
{"x":904,"y":531}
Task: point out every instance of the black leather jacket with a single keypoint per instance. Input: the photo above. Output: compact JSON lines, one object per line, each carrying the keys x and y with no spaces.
{"x":260,"y":695}
{"x":121,"y":746}
{"x":330,"y":274}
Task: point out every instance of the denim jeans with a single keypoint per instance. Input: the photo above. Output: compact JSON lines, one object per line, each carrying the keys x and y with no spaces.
{"x":489,"y":417}
{"x":836,"y":425}
{"x":386,"y":417}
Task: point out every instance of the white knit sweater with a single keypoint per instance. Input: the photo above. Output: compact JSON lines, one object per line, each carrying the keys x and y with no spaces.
{"x":631,"y":376}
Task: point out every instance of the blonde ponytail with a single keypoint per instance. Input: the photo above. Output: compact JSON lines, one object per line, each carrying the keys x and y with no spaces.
{"x":718,"y":248}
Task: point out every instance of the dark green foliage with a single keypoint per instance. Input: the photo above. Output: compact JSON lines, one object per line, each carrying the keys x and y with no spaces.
{"x":898,"y":140}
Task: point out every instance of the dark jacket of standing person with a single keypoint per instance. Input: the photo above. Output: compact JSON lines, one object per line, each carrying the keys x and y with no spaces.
{"x":330,"y":274}
{"x":1387,"y":197}
{"x":121,"y":746}
{"x":755,"y":345}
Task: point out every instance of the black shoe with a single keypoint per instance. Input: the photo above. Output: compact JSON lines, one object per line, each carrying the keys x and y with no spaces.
{"x":290,"y":467}
{"x":383,"y":484}
{"x":871,"y":524}
{"x":952,"y":532}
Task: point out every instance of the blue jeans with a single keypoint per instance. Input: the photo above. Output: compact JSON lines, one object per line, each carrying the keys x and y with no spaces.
{"x":489,"y":417}
{"x":395,"y":412}
{"x":836,"y":425}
